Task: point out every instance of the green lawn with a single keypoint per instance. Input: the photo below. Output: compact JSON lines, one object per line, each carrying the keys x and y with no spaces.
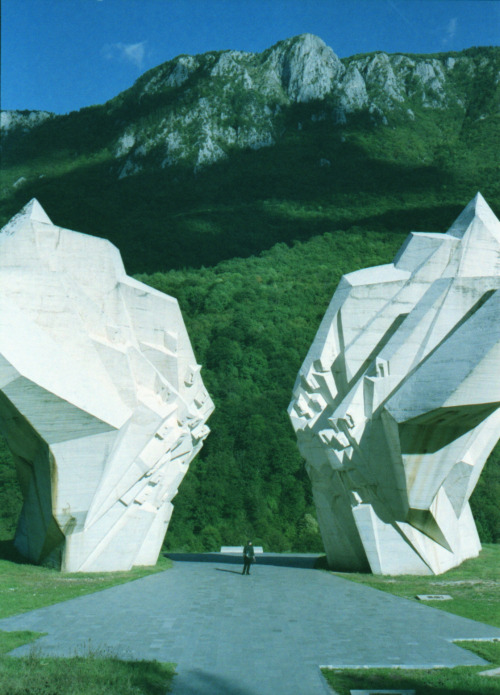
{"x":89,"y":673}
{"x":462,"y":680}
{"x":474,"y":586}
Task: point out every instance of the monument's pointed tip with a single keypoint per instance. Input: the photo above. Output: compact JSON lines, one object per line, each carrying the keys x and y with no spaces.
{"x":32,"y":211}
{"x":477,"y":207}
{"x":35,"y":212}
{"x":479,"y":203}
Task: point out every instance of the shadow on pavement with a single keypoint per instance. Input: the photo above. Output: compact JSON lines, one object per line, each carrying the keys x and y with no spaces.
{"x":297,"y":561}
{"x":199,"y":682}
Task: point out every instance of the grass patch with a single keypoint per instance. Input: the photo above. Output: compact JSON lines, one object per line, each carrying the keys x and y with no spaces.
{"x":25,"y":587}
{"x":474,"y":586}
{"x":461,"y":680}
{"x":13,"y":640}
{"x":89,"y":673}
{"x":487,"y":650}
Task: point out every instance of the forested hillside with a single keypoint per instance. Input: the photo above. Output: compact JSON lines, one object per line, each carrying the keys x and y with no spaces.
{"x":312,"y":167}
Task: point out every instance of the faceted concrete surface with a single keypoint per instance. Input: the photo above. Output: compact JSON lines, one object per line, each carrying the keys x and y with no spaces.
{"x":101,"y":400}
{"x":265,"y":634}
{"x":397,"y":404}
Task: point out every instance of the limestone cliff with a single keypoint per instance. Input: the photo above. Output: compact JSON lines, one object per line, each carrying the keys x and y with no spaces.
{"x":194,"y":110}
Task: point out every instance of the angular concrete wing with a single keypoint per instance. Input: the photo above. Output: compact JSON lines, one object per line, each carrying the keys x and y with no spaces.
{"x":101,"y":399}
{"x":396,"y":407}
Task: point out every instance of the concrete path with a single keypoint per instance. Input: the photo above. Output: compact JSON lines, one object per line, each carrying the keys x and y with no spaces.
{"x":266,"y":634}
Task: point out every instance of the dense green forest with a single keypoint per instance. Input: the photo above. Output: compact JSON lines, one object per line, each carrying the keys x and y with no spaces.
{"x":251,"y":322}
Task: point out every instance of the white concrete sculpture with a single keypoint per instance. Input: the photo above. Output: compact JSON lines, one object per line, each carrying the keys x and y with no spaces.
{"x":101,"y":399}
{"x":396,"y":406}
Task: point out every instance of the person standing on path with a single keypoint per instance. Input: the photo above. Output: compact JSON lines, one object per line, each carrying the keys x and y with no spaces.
{"x":248,"y":557}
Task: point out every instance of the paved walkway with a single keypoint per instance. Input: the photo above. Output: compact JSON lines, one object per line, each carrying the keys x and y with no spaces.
{"x":266,"y":634}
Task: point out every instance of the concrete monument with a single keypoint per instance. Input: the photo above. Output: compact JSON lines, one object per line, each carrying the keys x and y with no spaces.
{"x":101,"y":399}
{"x":396,"y":407}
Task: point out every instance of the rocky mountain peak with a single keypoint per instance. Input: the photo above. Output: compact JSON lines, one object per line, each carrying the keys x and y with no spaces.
{"x":309,"y":68}
{"x":195,"y":110}
{"x":9,"y":120}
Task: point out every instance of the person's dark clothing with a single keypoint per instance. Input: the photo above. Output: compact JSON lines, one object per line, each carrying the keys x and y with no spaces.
{"x":248,"y":558}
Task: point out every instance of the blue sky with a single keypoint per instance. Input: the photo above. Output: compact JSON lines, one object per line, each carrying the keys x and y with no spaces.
{"x":62,"y":55}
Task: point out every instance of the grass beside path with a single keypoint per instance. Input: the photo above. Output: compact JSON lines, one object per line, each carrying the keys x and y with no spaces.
{"x":13,"y":640}
{"x":25,"y":587}
{"x":461,"y":680}
{"x":89,"y":673}
{"x":474,"y":586}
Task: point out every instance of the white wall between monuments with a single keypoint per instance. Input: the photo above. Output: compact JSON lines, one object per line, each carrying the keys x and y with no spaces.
{"x":396,"y":407}
{"x":101,"y":399}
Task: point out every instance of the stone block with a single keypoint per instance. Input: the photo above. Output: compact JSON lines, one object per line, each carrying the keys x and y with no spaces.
{"x":370,"y":691}
{"x":238,"y":549}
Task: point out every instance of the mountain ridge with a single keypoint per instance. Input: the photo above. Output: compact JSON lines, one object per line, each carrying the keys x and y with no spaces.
{"x":295,"y":71}
{"x":226,"y":153}
{"x":204,"y":120}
